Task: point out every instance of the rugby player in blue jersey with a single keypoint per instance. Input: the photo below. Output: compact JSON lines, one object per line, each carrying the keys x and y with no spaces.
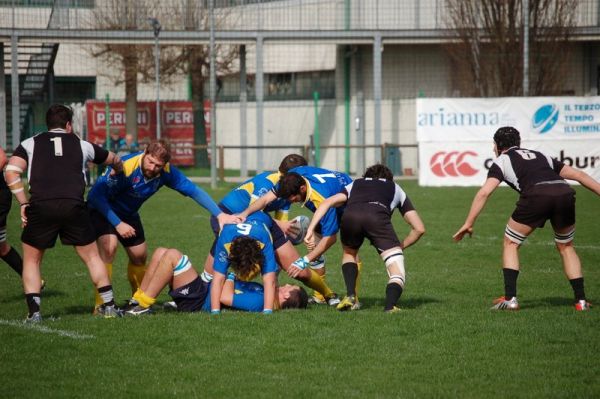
{"x":238,"y":199}
{"x":247,"y":250}
{"x":115,"y":200}
{"x":309,"y":186}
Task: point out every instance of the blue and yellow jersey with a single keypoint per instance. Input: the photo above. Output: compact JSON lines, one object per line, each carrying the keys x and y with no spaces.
{"x":247,"y":295}
{"x":320,"y":185}
{"x":123,"y":194}
{"x":249,"y":191}
{"x":257,"y":227}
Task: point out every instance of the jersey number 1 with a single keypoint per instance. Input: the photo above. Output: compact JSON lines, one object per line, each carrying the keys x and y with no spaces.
{"x":58,"y":152}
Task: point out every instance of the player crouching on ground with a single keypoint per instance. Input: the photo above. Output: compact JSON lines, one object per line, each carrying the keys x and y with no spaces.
{"x":543,"y":195}
{"x":370,"y":202}
{"x":190,"y":291}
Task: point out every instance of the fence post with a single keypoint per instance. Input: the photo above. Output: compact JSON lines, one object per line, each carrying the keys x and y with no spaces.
{"x":221,"y":164}
{"x":383,"y":152}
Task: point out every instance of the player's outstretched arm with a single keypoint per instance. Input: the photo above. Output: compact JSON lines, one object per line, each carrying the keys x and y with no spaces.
{"x":476,"y":207}
{"x":215,"y":292}
{"x":417,"y":228}
{"x":12,"y":175}
{"x":270,"y":284}
{"x":115,"y":161}
{"x":258,"y":205}
{"x":333,"y":201}
{"x":580,"y":176}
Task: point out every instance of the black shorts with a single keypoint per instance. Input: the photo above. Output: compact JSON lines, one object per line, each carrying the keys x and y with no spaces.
{"x":278,"y":236}
{"x":47,"y":219}
{"x":5,"y":204}
{"x":191,"y":297}
{"x":547,"y":202}
{"x":371,"y":222}
{"x":102,"y":227}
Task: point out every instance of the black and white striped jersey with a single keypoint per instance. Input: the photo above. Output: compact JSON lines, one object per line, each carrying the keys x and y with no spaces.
{"x":384,"y":193}
{"x":56,"y":164}
{"x":523,"y":169}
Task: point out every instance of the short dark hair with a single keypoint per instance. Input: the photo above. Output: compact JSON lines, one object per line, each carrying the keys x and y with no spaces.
{"x":507,"y":137}
{"x":291,"y":161}
{"x":58,"y":116}
{"x":160,"y":149}
{"x":289,"y":184}
{"x":298,"y":299}
{"x":245,"y":257}
{"x":379,"y":171}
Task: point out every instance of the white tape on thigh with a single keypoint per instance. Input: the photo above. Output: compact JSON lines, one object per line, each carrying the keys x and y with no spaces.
{"x":14,"y":168}
{"x":183,"y":265}
{"x":394,"y":264}
{"x":564,"y":238}
{"x":514,"y":236}
{"x":3,"y":234}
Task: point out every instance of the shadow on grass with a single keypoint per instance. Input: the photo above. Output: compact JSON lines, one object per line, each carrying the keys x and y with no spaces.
{"x":408,"y":303}
{"x":546,"y":302}
{"x":20,"y":297}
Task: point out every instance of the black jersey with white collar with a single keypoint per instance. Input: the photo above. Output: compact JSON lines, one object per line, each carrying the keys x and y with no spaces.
{"x":383,"y":193}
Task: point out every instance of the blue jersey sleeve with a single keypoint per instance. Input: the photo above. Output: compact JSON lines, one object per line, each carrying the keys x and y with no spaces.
{"x":330,"y":222}
{"x":178,"y":181}
{"x":101,"y":193}
{"x":248,"y":296}
{"x":270,"y":265}
{"x":221,"y":263}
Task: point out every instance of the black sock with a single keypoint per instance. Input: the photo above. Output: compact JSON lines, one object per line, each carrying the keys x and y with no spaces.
{"x":510,"y":283}
{"x":578,"y":290}
{"x":106,"y":293}
{"x":392,"y":294}
{"x":33,"y":303}
{"x":350,"y":272}
{"x":14,"y":260}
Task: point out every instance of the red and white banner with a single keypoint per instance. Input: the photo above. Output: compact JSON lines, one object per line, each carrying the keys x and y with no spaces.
{"x":177,"y":124}
{"x":456,"y":135}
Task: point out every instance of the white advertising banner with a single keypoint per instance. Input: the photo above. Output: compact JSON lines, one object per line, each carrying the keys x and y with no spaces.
{"x":536,"y":118}
{"x":466,"y":163}
{"x":455,"y":135}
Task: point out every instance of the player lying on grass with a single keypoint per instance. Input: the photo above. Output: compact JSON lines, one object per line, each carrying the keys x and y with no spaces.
{"x":310,"y":186}
{"x":115,"y":201}
{"x":370,"y":202}
{"x":543,"y":195}
{"x":238,"y":199}
{"x":191,"y":292}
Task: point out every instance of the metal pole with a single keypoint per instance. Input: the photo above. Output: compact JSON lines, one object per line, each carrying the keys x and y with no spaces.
{"x":14,"y":85}
{"x":259,"y":87}
{"x":2,"y":100}
{"x":377,"y":92}
{"x":157,"y":67}
{"x":213,"y":97}
{"x":317,"y":131}
{"x":243,"y":113}
{"x":107,"y":119}
{"x":525,"y":12}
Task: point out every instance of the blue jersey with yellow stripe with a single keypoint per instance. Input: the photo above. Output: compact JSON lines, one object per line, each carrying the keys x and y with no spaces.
{"x":256,"y":226}
{"x":320,"y":185}
{"x":247,"y":295}
{"x":249,"y":191}
{"x":123,"y":194}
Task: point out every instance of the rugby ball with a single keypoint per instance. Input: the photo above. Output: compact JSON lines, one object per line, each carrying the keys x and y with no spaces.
{"x":301,"y":223}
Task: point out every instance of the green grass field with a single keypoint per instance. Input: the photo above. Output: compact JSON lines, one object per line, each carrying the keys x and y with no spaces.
{"x":445,"y":343}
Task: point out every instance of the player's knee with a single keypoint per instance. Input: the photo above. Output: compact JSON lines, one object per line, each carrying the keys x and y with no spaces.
{"x":394,"y":264}
{"x":512,"y":237}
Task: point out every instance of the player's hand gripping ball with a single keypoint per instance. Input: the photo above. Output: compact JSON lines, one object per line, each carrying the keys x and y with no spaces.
{"x":299,"y":227}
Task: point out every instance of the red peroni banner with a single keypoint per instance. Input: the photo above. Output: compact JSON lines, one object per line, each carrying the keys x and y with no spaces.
{"x":177,"y":124}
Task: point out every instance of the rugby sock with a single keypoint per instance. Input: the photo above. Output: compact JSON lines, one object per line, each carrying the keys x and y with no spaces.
{"x":510,"y":282}
{"x":578,"y":290}
{"x":392,"y":294}
{"x":109,"y":268}
{"x":350,"y":272}
{"x":135,"y":275}
{"x":106,"y":293}
{"x":14,"y":260}
{"x":143,"y":300}
{"x":318,"y":284}
{"x":357,"y":285}
{"x":33,"y":303}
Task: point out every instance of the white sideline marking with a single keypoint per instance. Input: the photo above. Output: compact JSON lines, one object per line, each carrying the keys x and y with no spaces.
{"x":45,"y":330}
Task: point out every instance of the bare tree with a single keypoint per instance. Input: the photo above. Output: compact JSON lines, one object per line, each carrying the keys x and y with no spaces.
{"x":123,"y":15}
{"x":487,"y":57}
